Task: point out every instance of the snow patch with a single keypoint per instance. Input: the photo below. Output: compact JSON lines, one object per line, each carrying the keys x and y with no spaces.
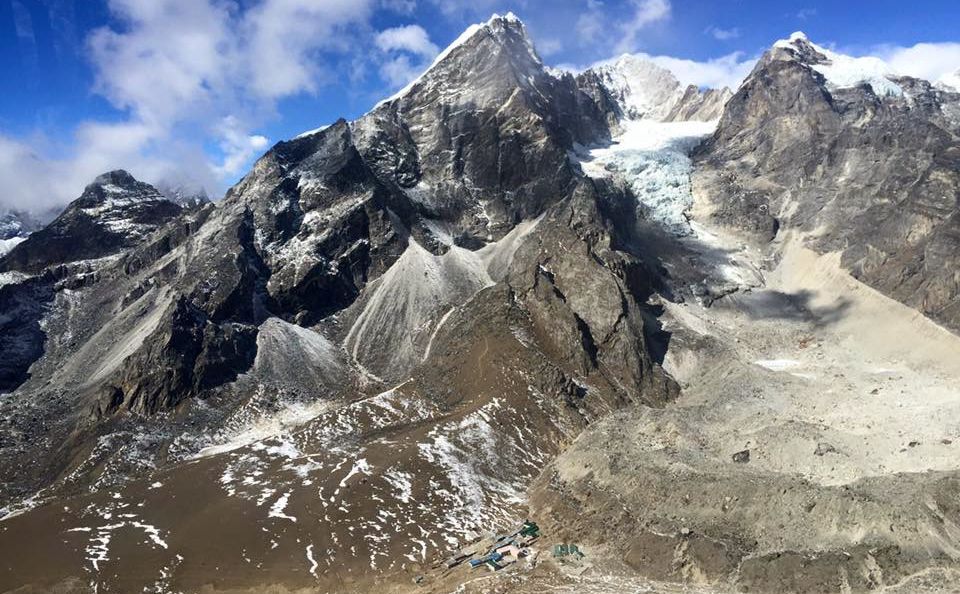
{"x":777,"y":364}
{"x":360,"y":466}
{"x":8,"y":244}
{"x":278,"y":507}
{"x":313,"y":562}
{"x":402,"y":483}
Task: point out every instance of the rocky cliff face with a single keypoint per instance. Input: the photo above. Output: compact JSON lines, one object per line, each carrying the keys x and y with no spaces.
{"x":349,"y":260}
{"x":851,"y":157}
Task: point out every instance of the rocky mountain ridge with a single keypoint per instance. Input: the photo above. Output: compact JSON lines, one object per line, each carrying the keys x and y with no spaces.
{"x":640,"y":89}
{"x":398,"y":333}
{"x":855,"y":159}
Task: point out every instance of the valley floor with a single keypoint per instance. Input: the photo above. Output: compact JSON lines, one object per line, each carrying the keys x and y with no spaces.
{"x":816,"y":432}
{"x":813,"y":448}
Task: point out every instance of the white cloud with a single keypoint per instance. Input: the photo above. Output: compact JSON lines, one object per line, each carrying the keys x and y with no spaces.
{"x":400,"y":6}
{"x":589,"y":26}
{"x":398,"y":71}
{"x":410,"y":38}
{"x":188,"y":74}
{"x":549,"y":47}
{"x":27,"y":180}
{"x":283,"y":36}
{"x":930,"y":61}
{"x":646,"y":13}
{"x":406,"y":52}
{"x":238,"y":147}
{"x":725,"y":71}
{"x":596,"y":27}
{"x":723,"y":34}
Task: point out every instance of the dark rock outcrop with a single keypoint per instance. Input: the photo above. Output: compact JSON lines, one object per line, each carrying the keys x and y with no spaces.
{"x":114,"y":213}
{"x":875,"y":175}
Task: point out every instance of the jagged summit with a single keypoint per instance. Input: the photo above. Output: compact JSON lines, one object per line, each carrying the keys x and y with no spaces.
{"x":506,"y":31}
{"x":114,"y":212}
{"x":839,"y":70}
{"x":114,"y":188}
{"x":119,"y":177}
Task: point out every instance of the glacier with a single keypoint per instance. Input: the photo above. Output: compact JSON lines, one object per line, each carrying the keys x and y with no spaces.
{"x":653,"y":158}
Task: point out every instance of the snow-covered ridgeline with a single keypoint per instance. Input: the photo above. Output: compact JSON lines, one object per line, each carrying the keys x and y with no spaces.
{"x":843,"y":72}
{"x":459,"y":41}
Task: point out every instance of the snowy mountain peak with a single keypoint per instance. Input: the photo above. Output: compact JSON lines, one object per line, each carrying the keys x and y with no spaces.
{"x":509,"y":17}
{"x":641,"y":88}
{"x":840,"y":70}
{"x":116,"y":187}
{"x":503,"y":31}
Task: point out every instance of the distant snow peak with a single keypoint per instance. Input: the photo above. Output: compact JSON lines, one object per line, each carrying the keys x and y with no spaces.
{"x":842,"y":71}
{"x":642,"y":88}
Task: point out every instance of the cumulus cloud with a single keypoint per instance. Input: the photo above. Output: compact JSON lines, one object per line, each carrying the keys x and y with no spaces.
{"x":930,"y":61}
{"x":238,"y":146}
{"x":187,"y":75}
{"x":410,"y":38}
{"x":406,"y":52}
{"x":723,"y":34}
{"x":282,"y":38}
{"x":725,"y":71}
{"x":645,"y":13}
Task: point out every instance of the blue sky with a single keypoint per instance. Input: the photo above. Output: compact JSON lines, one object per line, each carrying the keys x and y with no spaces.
{"x":192,"y":91}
